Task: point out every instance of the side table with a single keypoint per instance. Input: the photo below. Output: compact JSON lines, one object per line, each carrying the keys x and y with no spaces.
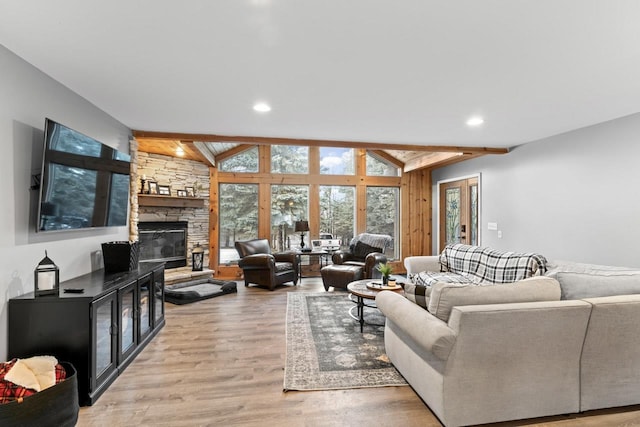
{"x":323,"y":255}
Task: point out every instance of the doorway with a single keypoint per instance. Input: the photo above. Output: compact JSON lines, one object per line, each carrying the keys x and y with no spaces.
{"x":458,"y":211}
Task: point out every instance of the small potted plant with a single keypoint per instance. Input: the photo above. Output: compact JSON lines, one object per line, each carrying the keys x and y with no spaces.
{"x":385,"y":269}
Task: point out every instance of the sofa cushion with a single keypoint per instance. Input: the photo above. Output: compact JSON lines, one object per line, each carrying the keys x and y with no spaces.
{"x":601,"y":283}
{"x":445,"y":296}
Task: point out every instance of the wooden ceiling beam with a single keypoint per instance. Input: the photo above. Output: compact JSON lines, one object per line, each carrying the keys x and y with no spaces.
{"x":262,"y":140}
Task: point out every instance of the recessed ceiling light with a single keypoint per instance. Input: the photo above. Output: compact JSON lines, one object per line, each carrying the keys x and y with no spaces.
{"x":262,"y":107}
{"x":180,"y":151}
{"x":475,"y":121}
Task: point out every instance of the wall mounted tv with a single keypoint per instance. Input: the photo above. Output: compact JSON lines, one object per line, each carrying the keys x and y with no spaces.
{"x":84,"y":183}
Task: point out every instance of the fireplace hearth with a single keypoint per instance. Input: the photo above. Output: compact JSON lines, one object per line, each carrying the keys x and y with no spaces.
{"x":164,"y":241}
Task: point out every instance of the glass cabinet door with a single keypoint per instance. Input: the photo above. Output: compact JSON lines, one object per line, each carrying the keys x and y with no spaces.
{"x":144,"y":292}
{"x":128,"y":314}
{"x":158,"y":296}
{"x":104,"y":342}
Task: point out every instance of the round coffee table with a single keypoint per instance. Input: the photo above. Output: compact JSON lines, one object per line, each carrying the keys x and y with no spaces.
{"x":360,"y":290}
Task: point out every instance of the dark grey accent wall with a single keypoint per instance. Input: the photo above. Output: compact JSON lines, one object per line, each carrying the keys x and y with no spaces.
{"x":573,"y":196}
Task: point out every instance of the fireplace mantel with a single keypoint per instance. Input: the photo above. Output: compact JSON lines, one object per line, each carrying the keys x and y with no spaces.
{"x":170,"y":201}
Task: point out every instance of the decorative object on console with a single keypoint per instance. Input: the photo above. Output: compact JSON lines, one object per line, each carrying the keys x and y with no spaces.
{"x":47,"y":277}
{"x":197,"y":258}
{"x":190,"y":191}
{"x":181,"y":193}
{"x":143,"y":180}
{"x":120,"y":256}
{"x":301,"y":227}
{"x":153,"y":187}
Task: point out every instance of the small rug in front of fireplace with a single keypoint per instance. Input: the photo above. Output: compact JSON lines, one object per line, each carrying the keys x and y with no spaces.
{"x":197,"y":290}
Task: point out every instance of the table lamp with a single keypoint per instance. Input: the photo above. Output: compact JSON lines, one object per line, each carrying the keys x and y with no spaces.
{"x":301,"y":227}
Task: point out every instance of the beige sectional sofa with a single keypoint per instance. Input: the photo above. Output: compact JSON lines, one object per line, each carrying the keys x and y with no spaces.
{"x":482,"y":354}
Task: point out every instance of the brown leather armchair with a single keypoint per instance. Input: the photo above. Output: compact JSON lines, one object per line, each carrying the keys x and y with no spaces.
{"x":356,"y":263}
{"x":262,"y":267}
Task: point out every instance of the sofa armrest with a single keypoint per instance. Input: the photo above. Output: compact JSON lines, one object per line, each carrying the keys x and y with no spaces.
{"x":428,"y":332}
{"x":417,"y":264}
{"x":257,"y":261}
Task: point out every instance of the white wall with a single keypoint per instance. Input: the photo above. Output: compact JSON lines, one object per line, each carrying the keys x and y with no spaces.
{"x":574,"y":196}
{"x":27,"y":96}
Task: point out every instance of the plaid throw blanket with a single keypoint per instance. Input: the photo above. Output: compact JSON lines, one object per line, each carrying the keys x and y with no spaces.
{"x":375,"y":240}
{"x":489,"y":265}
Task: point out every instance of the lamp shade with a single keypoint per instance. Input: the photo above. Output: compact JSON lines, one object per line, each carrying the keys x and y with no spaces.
{"x":302,"y":226}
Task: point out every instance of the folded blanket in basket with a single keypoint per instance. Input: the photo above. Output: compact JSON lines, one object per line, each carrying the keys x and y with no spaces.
{"x":23,"y":377}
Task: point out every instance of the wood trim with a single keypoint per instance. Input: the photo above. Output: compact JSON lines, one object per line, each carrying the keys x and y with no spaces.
{"x":386,"y":156}
{"x":233,"y":151}
{"x":170,"y":201}
{"x":262,"y":140}
{"x":214,"y":231}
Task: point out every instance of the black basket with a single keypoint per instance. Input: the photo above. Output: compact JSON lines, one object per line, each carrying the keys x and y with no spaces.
{"x":120,"y":256}
{"x":55,"y":406}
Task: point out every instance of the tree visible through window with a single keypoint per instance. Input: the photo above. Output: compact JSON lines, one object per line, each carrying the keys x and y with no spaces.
{"x":238,"y":216}
{"x":289,"y":159}
{"x":377,"y":166}
{"x":246,"y":161}
{"x":337,"y":212}
{"x":383,"y":214}
{"x":289,"y":203}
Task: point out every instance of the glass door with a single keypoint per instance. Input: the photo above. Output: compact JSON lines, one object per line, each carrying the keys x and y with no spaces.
{"x":458,"y":212}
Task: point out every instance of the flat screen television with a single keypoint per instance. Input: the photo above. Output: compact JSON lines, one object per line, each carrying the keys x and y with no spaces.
{"x":84,"y":183}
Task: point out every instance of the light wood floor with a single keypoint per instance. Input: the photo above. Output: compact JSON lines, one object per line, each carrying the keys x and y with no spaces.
{"x":220,"y":362}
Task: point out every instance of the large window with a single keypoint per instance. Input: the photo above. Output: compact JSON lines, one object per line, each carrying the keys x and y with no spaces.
{"x":336,"y":161}
{"x":289,"y":203}
{"x":377,"y":166}
{"x":289,"y":159}
{"x":337,"y":212}
{"x":383,"y":215}
{"x":238,"y":215}
{"x":267,"y":202}
{"x":245,"y":162}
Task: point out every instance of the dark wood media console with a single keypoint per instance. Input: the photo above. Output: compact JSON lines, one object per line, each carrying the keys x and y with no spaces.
{"x":100,"y":331}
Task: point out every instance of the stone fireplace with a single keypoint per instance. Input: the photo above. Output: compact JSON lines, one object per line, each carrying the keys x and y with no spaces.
{"x":178,"y":174}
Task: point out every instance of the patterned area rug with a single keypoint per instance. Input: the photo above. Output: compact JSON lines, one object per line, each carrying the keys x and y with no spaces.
{"x":325,"y":349}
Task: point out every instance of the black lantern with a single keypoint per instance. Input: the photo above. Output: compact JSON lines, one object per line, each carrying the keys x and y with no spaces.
{"x":47,"y":277}
{"x":197,"y":258}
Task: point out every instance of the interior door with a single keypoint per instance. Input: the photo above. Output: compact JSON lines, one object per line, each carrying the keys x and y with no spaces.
{"x":458,"y":212}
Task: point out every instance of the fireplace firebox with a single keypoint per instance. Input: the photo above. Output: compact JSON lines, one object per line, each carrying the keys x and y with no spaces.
{"x":164,"y":241}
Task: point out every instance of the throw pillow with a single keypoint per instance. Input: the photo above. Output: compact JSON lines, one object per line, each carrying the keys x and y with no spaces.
{"x":361,"y":250}
{"x":418,"y":294}
{"x":445,"y":296}
{"x":595,"y":284}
